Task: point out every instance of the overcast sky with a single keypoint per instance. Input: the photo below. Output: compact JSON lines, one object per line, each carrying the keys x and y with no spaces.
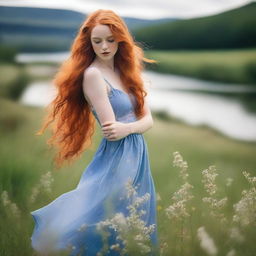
{"x":149,"y":9}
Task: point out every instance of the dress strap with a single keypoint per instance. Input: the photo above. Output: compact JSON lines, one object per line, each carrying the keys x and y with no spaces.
{"x":108,"y":82}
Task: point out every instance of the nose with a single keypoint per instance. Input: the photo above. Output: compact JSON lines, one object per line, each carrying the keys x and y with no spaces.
{"x":104,"y":45}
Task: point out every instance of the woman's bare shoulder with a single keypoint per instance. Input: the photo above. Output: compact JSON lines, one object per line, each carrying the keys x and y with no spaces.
{"x":93,"y":81}
{"x":91,"y":71}
{"x":91,"y":76}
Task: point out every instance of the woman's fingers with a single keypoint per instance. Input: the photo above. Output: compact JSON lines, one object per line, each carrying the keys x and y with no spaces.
{"x":107,"y":128}
{"x":107,"y":123}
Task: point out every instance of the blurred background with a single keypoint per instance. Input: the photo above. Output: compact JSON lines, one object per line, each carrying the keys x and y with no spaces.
{"x":202,"y":93}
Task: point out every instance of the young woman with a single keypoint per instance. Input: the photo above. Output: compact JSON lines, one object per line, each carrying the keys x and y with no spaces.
{"x":102,"y":80}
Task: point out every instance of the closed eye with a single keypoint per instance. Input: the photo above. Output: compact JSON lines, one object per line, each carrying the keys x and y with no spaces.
{"x":111,"y":41}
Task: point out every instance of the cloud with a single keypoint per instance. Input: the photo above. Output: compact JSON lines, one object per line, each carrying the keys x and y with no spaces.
{"x":148,"y":9}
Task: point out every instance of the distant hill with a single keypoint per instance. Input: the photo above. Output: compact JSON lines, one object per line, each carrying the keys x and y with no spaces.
{"x":42,"y":29}
{"x":235,"y":28}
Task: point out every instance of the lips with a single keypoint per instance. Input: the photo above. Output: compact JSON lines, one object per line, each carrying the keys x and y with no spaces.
{"x":105,"y":53}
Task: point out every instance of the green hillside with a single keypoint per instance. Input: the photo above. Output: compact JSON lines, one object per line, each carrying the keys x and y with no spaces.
{"x":230,"y":29}
{"x":43,"y":30}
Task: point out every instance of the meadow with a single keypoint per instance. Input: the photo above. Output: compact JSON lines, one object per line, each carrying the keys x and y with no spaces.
{"x":227,"y":65}
{"x":198,"y":173}
{"x":205,"y":182}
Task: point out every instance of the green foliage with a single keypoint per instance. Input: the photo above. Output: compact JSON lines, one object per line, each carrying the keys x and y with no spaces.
{"x":230,"y":29}
{"x":13,"y":88}
{"x":7,"y":54}
{"x":250,"y":69}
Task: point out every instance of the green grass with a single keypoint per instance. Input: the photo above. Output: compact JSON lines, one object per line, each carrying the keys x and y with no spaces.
{"x":14,"y":79}
{"x":230,"y":66}
{"x":8,"y":72}
{"x":24,"y":157}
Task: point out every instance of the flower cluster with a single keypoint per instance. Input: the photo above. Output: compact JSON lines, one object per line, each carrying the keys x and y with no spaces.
{"x":44,"y":184}
{"x":245,"y":212}
{"x":180,"y":163}
{"x":178,"y":209}
{"x":216,"y":205}
{"x":9,"y":204}
{"x":132,"y":230}
{"x":206,"y":242}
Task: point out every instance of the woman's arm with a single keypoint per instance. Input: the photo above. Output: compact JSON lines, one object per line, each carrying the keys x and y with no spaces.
{"x":95,"y":89}
{"x":144,"y":123}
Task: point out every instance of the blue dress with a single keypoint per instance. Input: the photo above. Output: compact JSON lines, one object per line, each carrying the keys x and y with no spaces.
{"x":70,"y":221}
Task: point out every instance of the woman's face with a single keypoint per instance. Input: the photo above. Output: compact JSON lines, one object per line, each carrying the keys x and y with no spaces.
{"x":103,"y":41}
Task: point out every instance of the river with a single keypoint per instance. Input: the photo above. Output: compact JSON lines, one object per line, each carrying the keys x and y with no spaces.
{"x":193,"y":101}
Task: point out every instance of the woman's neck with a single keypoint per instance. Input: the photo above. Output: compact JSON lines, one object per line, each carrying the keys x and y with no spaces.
{"x":109,"y":64}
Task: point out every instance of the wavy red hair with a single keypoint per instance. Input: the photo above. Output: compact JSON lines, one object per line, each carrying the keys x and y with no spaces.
{"x":73,"y":122}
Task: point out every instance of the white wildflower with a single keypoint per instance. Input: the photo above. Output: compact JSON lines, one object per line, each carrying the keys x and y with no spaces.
{"x":14,"y":209}
{"x":158,"y":197}
{"x":46,"y":181}
{"x":178,"y":209}
{"x":144,"y":248}
{"x":163,"y":247}
{"x":236,"y":235}
{"x":229,"y":181}
{"x":34,"y":194}
{"x":245,"y":212}
{"x":206,"y":242}
{"x":251,"y":180}
{"x":208,"y":179}
{"x":131,"y":230}
{"x":44,"y":184}
{"x":232,"y":252}
{"x":216,"y":205}
{"x":115,"y":247}
{"x":82,"y":227}
{"x":138,"y":237}
{"x":5,"y":198}
{"x":183,"y":165}
{"x":131,"y":191}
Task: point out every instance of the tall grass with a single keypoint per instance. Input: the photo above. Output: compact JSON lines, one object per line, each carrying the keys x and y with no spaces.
{"x":205,"y":202}
{"x":189,"y":229}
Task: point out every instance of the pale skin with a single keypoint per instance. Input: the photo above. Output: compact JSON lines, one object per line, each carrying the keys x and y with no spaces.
{"x":96,"y":91}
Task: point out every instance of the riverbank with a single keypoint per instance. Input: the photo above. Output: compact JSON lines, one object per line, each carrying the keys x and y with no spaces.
{"x":229,"y":66}
{"x":15,"y":77}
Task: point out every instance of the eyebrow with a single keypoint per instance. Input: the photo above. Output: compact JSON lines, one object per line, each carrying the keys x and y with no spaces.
{"x":100,"y":37}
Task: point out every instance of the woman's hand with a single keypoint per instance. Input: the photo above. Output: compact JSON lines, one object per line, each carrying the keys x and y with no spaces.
{"x":114,"y":130}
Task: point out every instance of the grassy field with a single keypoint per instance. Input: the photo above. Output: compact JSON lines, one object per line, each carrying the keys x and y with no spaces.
{"x":25,"y":157}
{"x":230,"y":66}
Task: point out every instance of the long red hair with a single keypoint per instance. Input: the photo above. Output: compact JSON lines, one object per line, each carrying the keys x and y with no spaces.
{"x":73,"y":122}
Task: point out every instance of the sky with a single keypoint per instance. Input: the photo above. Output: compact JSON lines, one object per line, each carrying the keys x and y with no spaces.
{"x":144,"y":9}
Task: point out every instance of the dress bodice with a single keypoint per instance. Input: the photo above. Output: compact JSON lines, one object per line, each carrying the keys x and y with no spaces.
{"x":122,"y":104}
